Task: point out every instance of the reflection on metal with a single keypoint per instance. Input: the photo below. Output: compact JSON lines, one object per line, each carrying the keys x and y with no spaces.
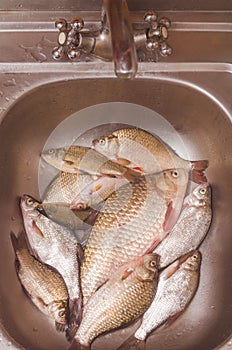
{"x":116,"y":40}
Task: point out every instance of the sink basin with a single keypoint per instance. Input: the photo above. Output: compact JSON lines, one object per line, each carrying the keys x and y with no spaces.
{"x":193,"y":95}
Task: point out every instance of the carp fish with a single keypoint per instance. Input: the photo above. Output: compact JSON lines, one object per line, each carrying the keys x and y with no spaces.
{"x":177,"y":285}
{"x":142,"y":151}
{"x":191,"y":227}
{"x":122,"y":299}
{"x":56,"y":246}
{"x":44,"y":285}
{"x":131,"y":223}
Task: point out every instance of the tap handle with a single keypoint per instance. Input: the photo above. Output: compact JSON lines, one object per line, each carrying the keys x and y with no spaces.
{"x":157,"y":33}
{"x":69,"y":38}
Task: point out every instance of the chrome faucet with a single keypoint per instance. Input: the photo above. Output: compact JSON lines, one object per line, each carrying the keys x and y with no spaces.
{"x":116,"y":39}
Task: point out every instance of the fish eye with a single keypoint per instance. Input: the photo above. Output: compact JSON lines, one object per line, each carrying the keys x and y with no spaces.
{"x":102,"y":142}
{"x":51,"y":151}
{"x":61,"y":313}
{"x":29,"y":201}
{"x":175,"y":173}
{"x":153,"y":263}
{"x":80,"y":206}
{"x":195,"y":256}
{"x":202,"y":190}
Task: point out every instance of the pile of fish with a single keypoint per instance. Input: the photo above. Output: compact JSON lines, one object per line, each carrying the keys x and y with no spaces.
{"x":141,"y":258}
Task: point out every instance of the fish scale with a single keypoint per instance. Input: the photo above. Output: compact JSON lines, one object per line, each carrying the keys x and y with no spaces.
{"x":122,"y":299}
{"x":126,"y":229}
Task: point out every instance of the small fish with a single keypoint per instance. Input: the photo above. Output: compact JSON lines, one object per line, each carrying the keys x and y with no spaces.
{"x":191,"y":227}
{"x":177,"y":285}
{"x":45,"y":286}
{"x":122,"y":299}
{"x":84,"y":160}
{"x":56,"y":246}
{"x":142,"y":151}
{"x":58,"y":196}
{"x":96,"y":192}
{"x":131,"y":223}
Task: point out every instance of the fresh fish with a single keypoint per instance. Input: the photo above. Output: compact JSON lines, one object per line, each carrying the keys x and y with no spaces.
{"x":143,"y":151}
{"x":56,"y":246}
{"x":191,"y":227}
{"x":122,"y":299}
{"x":177,"y":286}
{"x":58,"y":197}
{"x":96,"y":192}
{"x":131,"y":223}
{"x":78,"y":159}
{"x":45,"y":286}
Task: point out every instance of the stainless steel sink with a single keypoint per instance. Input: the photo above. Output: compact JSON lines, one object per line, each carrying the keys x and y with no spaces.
{"x":191,"y":90}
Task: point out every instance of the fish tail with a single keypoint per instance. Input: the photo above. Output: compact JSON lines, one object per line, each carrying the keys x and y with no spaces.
{"x":77,"y":346}
{"x":75,"y":307}
{"x":19,"y":242}
{"x":133,"y":343}
{"x":198,"y":171}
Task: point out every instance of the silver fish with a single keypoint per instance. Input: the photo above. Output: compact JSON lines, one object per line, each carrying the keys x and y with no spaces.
{"x":84,"y":160}
{"x":44,"y":286}
{"x":140,"y":150}
{"x":56,"y":246}
{"x":191,"y":227}
{"x":177,"y":285}
{"x":132,"y":222}
{"x":122,"y":299}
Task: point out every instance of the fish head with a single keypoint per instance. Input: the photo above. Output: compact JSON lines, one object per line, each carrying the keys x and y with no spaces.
{"x":55,"y":157}
{"x":148,"y":266}
{"x":172,"y":181}
{"x":107,"y":145}
{"x":201,"y":195}
{"x":29,"y":206}
{"x":191,"y":261}
{"x":58,"y":310}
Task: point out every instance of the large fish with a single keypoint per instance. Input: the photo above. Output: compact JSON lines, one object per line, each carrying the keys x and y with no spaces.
{"x":122,"y":299}
{"x":84,"y":160}
{"x":132,"y":222}
{"x":56,"y":246}
{"x":191,"y":227}
{"x":143,"y":151}
{"x":176,"y":288}
{"x":45,"y":286}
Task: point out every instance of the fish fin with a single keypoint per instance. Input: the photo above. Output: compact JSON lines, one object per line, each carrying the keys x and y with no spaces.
{"x":198,"y":169}
{"x":36,"y":229}
{"x":127,"y":273}
{"x":19,"y":242}
{"x":75,"y":307}
{"x":139,"y":168}
{"x":71,"y":331}
{"x":80,"y":253}
{"x":170,"y":218}
{"x":123,"y":161}
{"x":77,"y":346}
{"x":132,"y":175}
{"x":133,"y":343}
{"x":171,"y":271}
{"x":60,"y":327}
{"x":173,"y":318}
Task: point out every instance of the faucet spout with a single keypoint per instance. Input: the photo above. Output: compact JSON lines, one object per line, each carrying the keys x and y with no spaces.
{"x":123,"y":46}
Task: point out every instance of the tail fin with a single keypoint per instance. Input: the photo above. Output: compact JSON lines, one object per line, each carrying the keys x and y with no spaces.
{"x":77,"y":346}
{"x":75,"y":307}
{"x":19,"y":242}
{"x":198,"y":169}
{"x":133,"y":343}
